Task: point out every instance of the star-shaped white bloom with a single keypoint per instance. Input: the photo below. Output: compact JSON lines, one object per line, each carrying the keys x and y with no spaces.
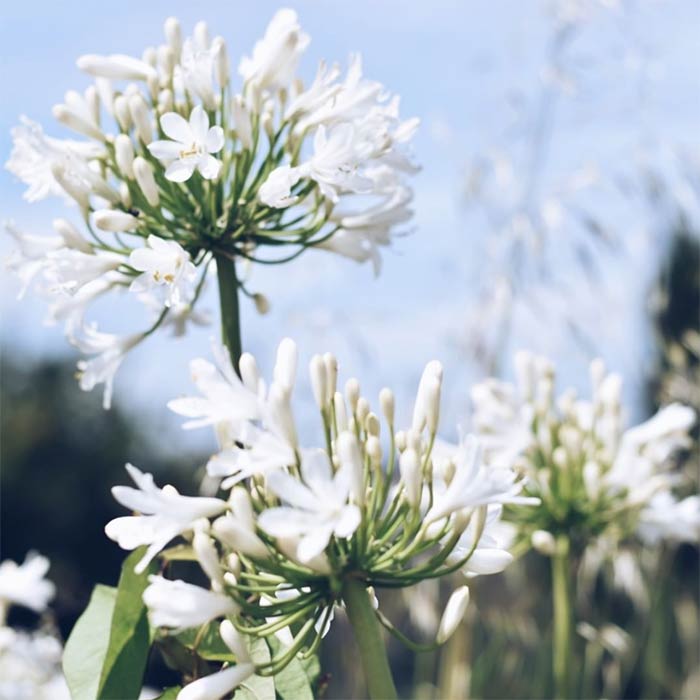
{"x":164,"y":515}
{"x":24,"y":584}
{"x":191,"y":146}
{"x":164,"y":264}
{"x":318,"y":507}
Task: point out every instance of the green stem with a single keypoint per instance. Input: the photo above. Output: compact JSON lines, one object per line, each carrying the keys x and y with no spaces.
{"x":561,"y":641}
{"x":368,"y":635}
{"x":230,"y":313}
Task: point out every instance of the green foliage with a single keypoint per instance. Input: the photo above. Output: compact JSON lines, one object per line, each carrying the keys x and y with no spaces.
{"x":206,"y":642}
{"x":295,"y":681}
{"x":169,"y":693}
{"x":106,"y":654}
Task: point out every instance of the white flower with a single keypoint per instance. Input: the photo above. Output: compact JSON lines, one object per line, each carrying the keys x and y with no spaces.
{"x":116,"y":67}
{"x":24,"y":584}
{"x":318,"y":507}
{"x":475,"y":484}
{"x":109,"y":351}
{"x":666,"y":518}
{"x":197,"y":67}
{"x":181,"y":605}
{"x":164,"y":263}
{"x":276,"y":191}
{"x":191,"y":147}
{"x":165,"y":514}
{"x":276,"y":56}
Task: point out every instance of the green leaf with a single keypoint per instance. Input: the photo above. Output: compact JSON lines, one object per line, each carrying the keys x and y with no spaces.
{"x":107,"y":651}
{"x":257,"y":687}
{"x":208,"y":645}
{"x":292,"y":682}
{"x":86,"y":648}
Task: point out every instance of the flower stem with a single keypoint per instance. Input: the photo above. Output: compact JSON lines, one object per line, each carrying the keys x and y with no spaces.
{"x":230,"y":313}
{"x":561,"y":641}
{"x":368,"y":635}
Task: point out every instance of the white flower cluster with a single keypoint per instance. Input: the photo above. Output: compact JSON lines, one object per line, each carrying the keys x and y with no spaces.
{"x":181,"y":168}
{"x":390,"y":509}
{"x":30,"y":662}
{"x":594,"y":477}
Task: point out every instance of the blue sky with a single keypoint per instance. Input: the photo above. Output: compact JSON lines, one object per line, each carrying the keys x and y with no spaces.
{"x":467,"y":69}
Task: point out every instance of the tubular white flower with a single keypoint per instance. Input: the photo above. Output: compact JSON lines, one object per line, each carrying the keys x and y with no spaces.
{"x":191,"y":147}
{"x":165,"y":514}
{"x":427,"y":395}
{"x":74,"y":121}
{"x":181,"y":605}
{"x":144,"y":176}
{"x":351,"y":461}
{"x":411,"y":476}
{"x":217,"y":685}
{"x":116,"y":67}
{"x":317,"y":370}
{"x":140,"y":118}
{"x":124,"y":155}
{"x":453,"y":614}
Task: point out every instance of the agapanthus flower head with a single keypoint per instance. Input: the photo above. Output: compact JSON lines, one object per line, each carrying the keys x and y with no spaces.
{"x":368,"y":503}
{"x":595,"y":478}
{"x":181,"y":162}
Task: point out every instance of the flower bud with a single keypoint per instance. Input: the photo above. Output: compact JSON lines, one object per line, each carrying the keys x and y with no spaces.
{"x":147,"y":181}
{"x":409,"y":466}
{"x":374,"y":450}
{"x":165,"y":101}
{"x":331,"y":363}
{"x":125,"y":195}
{"x":262,"y":303}
{"x":454,"y":614}
{"x":208,"y":558}
{"x":351,"y":459}
{"x":234,"y":534}
{"x":386,"y":401}
{"x":70,"y":235}
{"x":142,"y":121}
{"x":234,"y":641}
{"x":166,"y":64}
{"x":432,"y":405}
{"x":221,"y":68}
{"x":250,"y":376}
{"x":341,"y":414}
{"x":122,"y":113}
{"x":352,"y":393}
{"x":286,"y":364}
{"x":372,"y":425}
{"x":362,"y":410}
{"x":74,"y":121}
{"x":400,"y":439}
{"x":92,"y":100}
{"x":432,"y":373}
{"x":124,"y":155}
{"x":543,"y":542}
{"x":173,"y":35}
{"x":233,"y":562}
{"x":242,"y":508}
{"x":317,"y":369}
{"x":201,"y":35}
{"x":115,"y":221}
{"x":241,"y":122}
{"x":115,"y":67}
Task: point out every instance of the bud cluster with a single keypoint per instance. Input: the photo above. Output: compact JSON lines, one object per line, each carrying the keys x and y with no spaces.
{"x":179,"y":167}
{"x":385,"y":507}
{"x":594,"y":478}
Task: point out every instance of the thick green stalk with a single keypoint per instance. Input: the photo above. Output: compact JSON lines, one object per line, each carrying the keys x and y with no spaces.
{"x":561,"y":640}
{"x":368,"y":635}
{"x":230,"y":313}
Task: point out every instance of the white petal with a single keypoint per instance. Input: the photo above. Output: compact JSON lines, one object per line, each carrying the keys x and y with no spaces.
{"x":165,"y":150}
{"x":176,"y":127}
{"x":488,"y":561}
{"x":215,"y":139}
{"x":313,"y":544}
{"x":199,"y":125}
{"x":348,"y":521}
{"x":209,"y":167}
{"x":179,"y":171}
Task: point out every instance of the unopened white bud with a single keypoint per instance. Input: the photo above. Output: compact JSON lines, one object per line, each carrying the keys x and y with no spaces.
{"x":286,"y":364}
{"x":233,"y":562}
{"x":92,"y":100}
{"x":201,"y":35}
{"x":351,"y":459}
{"x":374,"y":450}
{"x":432,"y":405}
{"x":454,"y":614}
{"x":173,"y":35}
{"x":70,"y":235}
{"x":115,"y":67}
{"x":165,"y":101}
{"x":230,"y":578}
{"x":115,"y":221}
{"x":544,"y":542}
{"x":413,"y":440}
{"x":234,"y":642}
{"x":352,"y":393}
{"x":331,"y":363}
{"x":147,"y":181}
{"x":124,"y":155}
{"x":400,"y":440}
{"x":386,"y":402}
{"x":241,"y":122}
{"x":74,"y":121}
{"x":125,"y":195}
{"x":141,"y":118}
{"x":250,"y":376}
{"x":317,"y":370}
{"x":432,"y":373}
{"x":166,"y":64}
{"x":341,"y":414}
{"x":266,"y":118}
{"x":122,"y":113}
{"x":372,"y":425}
{"x":409,"y":466}
{"x":242,"y":508}
{"x":221,"y":68}
{"x":362,"y":410}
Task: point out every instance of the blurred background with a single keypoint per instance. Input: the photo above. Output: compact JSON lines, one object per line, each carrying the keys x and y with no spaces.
{"x":558,"y":210}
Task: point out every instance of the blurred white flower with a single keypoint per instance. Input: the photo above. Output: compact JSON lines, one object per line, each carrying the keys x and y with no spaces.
{"x":25,"y":584}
